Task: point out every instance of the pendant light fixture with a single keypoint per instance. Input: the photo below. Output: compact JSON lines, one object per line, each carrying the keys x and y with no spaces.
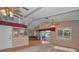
{"x":7,"y":11}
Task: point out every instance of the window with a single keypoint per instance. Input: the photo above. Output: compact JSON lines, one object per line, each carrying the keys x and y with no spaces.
{"x":64,"y":33}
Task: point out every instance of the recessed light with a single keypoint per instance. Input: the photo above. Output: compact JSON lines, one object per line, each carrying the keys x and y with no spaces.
{"x":52,"y":25}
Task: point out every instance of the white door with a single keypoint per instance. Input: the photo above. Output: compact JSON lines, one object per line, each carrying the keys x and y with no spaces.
{"x":5,"y":37}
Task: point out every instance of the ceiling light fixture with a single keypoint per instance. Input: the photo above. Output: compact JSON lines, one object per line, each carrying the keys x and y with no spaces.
{"x":53,"y":25}
{"x":7,"y":12}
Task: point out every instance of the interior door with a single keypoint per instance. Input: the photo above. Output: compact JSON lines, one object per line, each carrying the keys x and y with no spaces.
{"x":5,"y":37}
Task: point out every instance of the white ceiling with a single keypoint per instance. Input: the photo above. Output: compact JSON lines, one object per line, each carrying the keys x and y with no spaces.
{"x":37,"y":15}
{"x":26,"y":12}
{"x":68,"y":16}
{"x":47,"y":11}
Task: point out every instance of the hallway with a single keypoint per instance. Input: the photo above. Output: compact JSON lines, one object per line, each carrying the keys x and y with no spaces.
{"x":39,"y":29}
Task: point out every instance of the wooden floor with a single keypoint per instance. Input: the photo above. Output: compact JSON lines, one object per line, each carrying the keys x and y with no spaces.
{"x":34,"y":42}
{"x":31,"y":43}
{"x":34,"y":46}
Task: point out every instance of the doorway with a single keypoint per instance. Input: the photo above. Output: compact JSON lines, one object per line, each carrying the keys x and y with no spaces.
{"x":46,"y":36}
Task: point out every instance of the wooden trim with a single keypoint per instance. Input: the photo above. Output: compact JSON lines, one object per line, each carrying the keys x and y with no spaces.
{"x":51,"y":29}
{"x":12,"y":24}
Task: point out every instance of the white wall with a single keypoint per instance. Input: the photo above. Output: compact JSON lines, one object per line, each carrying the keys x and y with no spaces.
{"x":5,"y":37}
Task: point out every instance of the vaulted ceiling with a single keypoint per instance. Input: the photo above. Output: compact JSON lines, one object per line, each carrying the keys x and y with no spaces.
{"x":33,"y":16}
{"x":38,"y":15}
{"x":19,"y":11}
